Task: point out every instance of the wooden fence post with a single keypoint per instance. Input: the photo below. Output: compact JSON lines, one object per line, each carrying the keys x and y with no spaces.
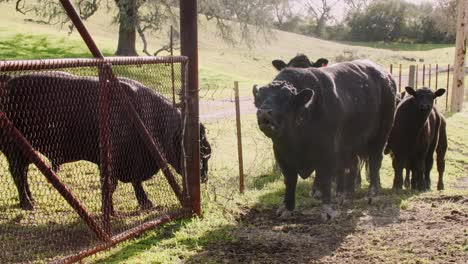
{"x":239,"y":138}
{"x":412,"y":70}
{"x":459,"y":64}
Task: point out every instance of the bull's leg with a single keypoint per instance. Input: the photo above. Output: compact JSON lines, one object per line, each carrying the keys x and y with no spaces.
{"x":316,"y":193}
{"x":141,"y":196}
{"x":325,"y":173}
{"x":107,"y":201}
{"x":407,"y":178}
{"x":427,"y":170}
{"x":290,"y":180}
{"x":398,"y":166}
{"x":350,"y":181}
{"x":357,"y":174}
{"x":419,"y":182}
{"x":440,"y":169}
{"x":19,"y":172}
{"x":340,"y":183}
{"x":441,"y":150}
{"x":375,"y":162}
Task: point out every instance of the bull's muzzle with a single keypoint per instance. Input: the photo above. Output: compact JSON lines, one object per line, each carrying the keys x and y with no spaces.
{"x":265,"y":122}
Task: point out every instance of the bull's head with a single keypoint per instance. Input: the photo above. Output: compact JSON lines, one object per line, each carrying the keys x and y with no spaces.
{"x":424,"y":98}
{"x":280,"y":106}
{"x":205,"y":154}
{"x":300,"y":61}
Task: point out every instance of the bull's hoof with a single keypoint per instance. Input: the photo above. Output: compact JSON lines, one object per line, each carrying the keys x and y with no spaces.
{"x":340,"y":197}
{"x":146,"y":205}
{"x":347,"y":199}
{"x":316,"y":194}
{"x":329,"y":213}
{"x":27,"y":205}
{"x":373,"y":192}
{"x":283,"y":213}
{"x":204,"y":179}
{"x":440,"y":186}
{"x":407,"y":184}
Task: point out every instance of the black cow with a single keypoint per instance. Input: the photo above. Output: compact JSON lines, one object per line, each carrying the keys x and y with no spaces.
{"x":323,"y":119}
{"x":418,"y":131}
{"x":58,"y":114}
{"x":300,"y":61}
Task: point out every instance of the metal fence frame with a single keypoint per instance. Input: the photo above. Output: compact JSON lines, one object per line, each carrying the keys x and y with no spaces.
{"x":108,"y":83}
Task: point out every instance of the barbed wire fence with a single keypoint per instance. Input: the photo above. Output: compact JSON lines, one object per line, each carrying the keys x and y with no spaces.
{"x":218,"y":113}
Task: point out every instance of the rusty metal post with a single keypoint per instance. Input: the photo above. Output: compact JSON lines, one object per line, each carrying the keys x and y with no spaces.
{"x":28,"y":151}
{"x":399,"y":79}
{"x":103,"y":108}
{"x":172,"y":66}
{"x":437,"y":76}
{"x":75,"y":18}
{"x":189,"y":48}
{"x":239,"y":138}
{"x":448,"y":87}
{"x":152,"y":145}
{"x":104,"y":140}
{"x":391,"y":68}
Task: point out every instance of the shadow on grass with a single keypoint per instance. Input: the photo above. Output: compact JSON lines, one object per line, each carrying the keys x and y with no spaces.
{"x":259,"y":182}
{"x":22,"y":46}
{"x":32,"y":243}
{"x":261,"y":237}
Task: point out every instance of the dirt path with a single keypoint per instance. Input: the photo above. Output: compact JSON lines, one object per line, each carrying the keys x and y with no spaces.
{"x":431,"y":229}
{"x":212,"y":110}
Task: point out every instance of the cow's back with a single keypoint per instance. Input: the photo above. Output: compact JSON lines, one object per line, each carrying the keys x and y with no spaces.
{"x":358,"y":98}
{"x":56,"y":114}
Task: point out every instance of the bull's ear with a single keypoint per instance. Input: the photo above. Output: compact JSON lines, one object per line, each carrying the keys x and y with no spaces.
{"x":279,"y":64}
{"x":255,"y":90}
{"x":320,"y":63}
{"x":304,"y":98}
{"x":410,"y":90}
{"x":439,"y":92}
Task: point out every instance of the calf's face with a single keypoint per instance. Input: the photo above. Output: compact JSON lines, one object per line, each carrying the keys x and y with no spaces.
{"x":424,"y":97}
{"x":279,"y":106}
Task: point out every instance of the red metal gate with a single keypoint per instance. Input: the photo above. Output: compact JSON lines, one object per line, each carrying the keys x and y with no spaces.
{"x":83,"y":128}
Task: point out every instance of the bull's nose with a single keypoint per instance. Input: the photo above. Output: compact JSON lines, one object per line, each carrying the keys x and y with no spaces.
{"x":426,"y":107}
{"x":264,"y":113}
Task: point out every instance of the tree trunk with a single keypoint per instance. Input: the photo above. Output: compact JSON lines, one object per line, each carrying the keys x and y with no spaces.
{"x":320,"y":28}
{"x":128,"y":19}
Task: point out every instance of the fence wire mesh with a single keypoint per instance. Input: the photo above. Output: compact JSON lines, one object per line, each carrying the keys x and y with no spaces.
{"x":218,"y":114}
{"x":432,"y":75}
{"x":55,"y":107}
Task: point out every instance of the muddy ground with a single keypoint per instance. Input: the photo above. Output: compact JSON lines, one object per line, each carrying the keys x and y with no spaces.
{"x":425,"y":228}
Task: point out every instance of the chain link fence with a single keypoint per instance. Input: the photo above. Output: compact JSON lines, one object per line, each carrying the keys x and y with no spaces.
{"x":88,"y":159}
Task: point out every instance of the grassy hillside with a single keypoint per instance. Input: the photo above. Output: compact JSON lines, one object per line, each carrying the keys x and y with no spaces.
{"x":240,"y":228}
{"x":226,"y":63}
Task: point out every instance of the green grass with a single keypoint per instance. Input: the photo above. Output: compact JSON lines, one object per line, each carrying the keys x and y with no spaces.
{"x":398,"y":46}
{"x":22,"y":46}
{"x":220,"y":63}
{"x":223,"y":206}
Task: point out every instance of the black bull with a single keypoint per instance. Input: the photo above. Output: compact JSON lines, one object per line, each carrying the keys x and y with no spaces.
{"x":58,"y":113}
{"x":322,"y":119}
